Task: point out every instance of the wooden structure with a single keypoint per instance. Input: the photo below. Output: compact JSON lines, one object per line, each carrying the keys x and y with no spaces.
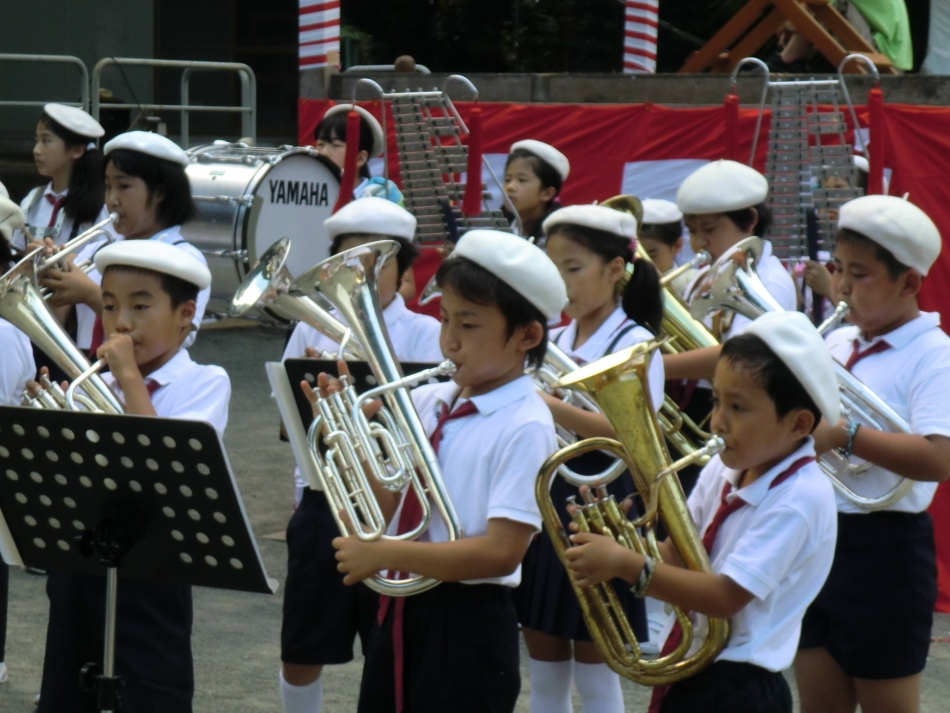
{"x":759,"y":20}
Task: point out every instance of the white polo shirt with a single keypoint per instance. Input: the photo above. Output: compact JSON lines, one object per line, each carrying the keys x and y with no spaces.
{"x":195,"y":392}
{"x":776,"y":280}
{"x":16,"y":364}
{"x":779,"y":547}
{"x":414,"y":336}
{"x":171,"y":236}
{"x":489,"y":460}
{"x":617,"y":332}
{"x":913,"y":378}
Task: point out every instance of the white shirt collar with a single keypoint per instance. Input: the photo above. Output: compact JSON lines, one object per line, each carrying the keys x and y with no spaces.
{"x":521,"y":387}
{"x":49,"y":191}
{"x":596,"y":345}
{"x":906,"y":333}
{"x":395,"y":310}
{"x":173,"y":369}
{"x":755,"y":493}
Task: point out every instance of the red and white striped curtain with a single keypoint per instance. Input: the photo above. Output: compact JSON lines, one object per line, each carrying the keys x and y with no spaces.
{"x":639,"y":37}
{"x":319,"y":33}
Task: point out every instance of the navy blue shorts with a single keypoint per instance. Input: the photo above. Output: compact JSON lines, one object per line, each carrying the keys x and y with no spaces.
{"x":322,"y":616}
{"x":875,"y":613}
{"x":736,"y":687}
{"x":460,"y":653}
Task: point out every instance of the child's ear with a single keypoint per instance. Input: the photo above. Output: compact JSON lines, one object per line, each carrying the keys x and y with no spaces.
{"x":912,"y":282}
{"x":803,"y":423}
{"x":547,"y":194}
{"x":361,"y":158}
{"x":185,"y":312}
{"x":531,"y":336}
{"x":616,"y":268}
{"x":679,"y":245}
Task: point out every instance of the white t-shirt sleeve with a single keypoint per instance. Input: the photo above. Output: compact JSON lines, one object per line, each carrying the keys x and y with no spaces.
{"x":704,"y":498}
{"x":516,"y":465}
{"x":425,"y":348}
{"x":16,"y":364}
{"x":928,"y":399}
{"x":768,"y":550}
{"x":206,"y":400}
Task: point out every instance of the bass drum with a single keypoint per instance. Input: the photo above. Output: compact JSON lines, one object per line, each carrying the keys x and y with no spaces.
{"x":248,"y":199}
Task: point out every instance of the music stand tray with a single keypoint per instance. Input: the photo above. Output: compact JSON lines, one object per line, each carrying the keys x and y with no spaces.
{"x":151,"y":499}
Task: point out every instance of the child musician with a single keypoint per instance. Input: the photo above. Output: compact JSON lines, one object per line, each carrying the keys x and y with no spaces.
{"x":149,"y":293}
{"x":147,"y":186}
{"x":455,"y":647}
{"x":767,"y":517}
{"x":330,"y":141}
{"x":534,"y":174}
{"x":591,"y":246}
{"x":321,"y":616}
{"x":66,"y":153}
{"x":883,"y":583}
{"x":662,"y":237}
{"x":722,"y":203}
{"x":16,"y":368}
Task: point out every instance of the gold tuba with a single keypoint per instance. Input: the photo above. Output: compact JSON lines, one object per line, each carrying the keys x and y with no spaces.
{"x":685,"y":333}
{"x":23,"y":306}
{"x":618,"y":383}
{"x":735,"y":285}
{"x":396,"y":451}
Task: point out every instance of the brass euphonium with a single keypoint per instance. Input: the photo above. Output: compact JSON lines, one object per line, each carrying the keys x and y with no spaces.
{"x":685,"y":334}
{"x":270,"y":288}
{"x":23,"y":306}
{"x":735,"y":285}
{"x":396,"y":451}
{"x":619,"y":385}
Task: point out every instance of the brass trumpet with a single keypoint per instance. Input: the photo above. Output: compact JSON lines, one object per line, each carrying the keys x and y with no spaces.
{"x":396,"y":452}
{"x":619,"y":385}
{"x":736,"y":286}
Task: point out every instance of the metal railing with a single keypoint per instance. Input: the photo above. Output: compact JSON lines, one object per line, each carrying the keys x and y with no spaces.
{"x":366,"y":68}
{"x":56,"y":58}
{"x":247,"y":109}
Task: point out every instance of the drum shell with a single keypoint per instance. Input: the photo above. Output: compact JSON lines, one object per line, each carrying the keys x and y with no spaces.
{"x":243,"y":208}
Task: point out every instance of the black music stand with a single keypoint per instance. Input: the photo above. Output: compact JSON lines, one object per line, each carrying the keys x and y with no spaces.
{"x":150,"y":499}
{"x":363,"y":379}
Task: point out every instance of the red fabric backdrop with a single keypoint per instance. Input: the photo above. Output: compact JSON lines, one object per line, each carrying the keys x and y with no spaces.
{"x":600,"y":139}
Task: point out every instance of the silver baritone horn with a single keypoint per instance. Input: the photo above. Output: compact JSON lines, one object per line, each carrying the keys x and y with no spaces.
{"x":270,"y":288}
{"x":57,"y":259}
{"x":395,"y":451}
{"x":733,"y":284}
{"x":23,"y":306}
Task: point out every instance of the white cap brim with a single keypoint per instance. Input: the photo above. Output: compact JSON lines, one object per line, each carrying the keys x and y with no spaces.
{"x":157,"y":257}
{"x":372,"y":216}
{"x":148,"y":143}
{"x":378,"y":138}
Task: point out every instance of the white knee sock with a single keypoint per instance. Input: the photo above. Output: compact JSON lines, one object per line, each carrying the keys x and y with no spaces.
{"x":301,"y":699}
{"x":550,"y":686}
{"x":599,"y":688}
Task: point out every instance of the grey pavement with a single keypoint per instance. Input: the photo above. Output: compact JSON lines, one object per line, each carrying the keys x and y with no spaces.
{"x":237,"y":636}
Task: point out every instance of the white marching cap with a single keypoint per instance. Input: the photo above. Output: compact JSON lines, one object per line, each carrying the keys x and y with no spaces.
{"x":546,"y":153}
{"x":149,"y":143}
{"x":156,"y":256}
{"x":897,"y":225}
{"x":11,"y":216}
{"x":599,"y":217}
{"x":378,"y":138}
{"x":795,"y":341}
{"x":721,"y":186}
{"x":74,"y":119}
{"x":521,"y":265}
{"x":374,"y":216}
{"x":657,"y":211}
{"x":861,"y":163}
